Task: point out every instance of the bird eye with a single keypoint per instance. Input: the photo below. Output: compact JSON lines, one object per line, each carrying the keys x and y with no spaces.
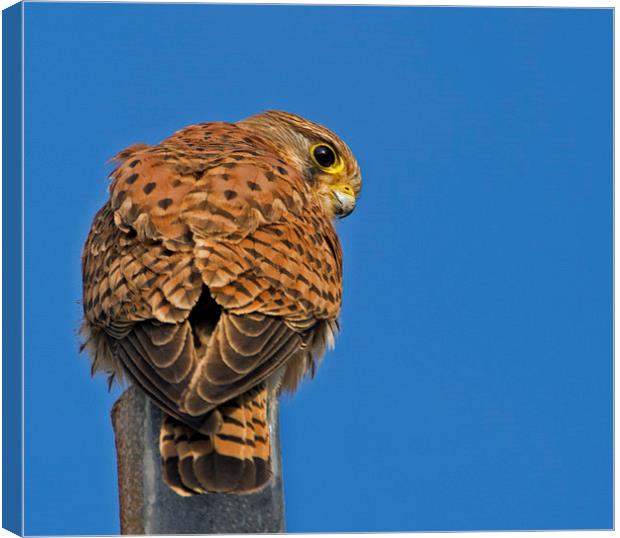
{"x":325,"y":156}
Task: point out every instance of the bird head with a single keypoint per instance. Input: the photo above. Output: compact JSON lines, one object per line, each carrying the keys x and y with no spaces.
{"x":326,"y":161}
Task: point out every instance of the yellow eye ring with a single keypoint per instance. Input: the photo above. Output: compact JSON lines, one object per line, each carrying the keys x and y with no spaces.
{"x":326,"y":158}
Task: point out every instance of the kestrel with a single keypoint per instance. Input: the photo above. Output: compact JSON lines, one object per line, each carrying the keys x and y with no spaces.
{"x":212,"y":278}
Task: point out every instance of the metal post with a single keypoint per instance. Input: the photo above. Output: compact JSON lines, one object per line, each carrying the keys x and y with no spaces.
{"x":148,"y":506}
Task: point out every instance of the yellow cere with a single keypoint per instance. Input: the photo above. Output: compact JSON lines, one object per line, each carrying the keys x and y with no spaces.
{"x":345,"y":189}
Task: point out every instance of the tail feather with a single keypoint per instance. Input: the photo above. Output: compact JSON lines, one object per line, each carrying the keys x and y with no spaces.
{"x":234,"y":458}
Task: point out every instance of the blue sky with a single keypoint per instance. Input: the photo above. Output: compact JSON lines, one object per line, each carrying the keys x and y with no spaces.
{"x":471,"y":387}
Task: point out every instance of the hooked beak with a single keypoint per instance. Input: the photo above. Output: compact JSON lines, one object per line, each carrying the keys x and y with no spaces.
{"x":344,"y":200}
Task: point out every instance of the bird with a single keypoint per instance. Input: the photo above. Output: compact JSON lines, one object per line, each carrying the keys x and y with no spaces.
{"x":212,"y":280}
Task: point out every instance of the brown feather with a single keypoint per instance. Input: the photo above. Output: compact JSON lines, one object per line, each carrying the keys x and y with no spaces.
{"x":213,"y":274}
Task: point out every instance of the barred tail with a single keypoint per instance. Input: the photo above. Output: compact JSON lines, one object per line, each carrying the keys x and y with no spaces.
{"x":234,"y":458}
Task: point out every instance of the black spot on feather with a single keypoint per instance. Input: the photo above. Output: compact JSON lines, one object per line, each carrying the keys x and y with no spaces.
{"x":165,"y":203}
{"x":149,"y":187}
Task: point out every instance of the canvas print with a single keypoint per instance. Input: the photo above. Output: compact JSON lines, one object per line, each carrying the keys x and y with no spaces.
{"x":299,"y":268}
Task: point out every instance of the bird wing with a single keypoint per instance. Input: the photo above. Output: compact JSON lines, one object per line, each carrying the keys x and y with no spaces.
{"x":209,"y":218}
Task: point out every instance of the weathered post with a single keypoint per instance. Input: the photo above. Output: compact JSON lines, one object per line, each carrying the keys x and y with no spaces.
{"x":148,"y":506}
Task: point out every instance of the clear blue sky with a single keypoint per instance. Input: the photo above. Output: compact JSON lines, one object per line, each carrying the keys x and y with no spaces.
{"x":471,"y":387}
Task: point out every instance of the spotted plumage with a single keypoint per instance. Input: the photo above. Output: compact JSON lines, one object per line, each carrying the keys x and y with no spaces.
{"x":213,"y":278}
